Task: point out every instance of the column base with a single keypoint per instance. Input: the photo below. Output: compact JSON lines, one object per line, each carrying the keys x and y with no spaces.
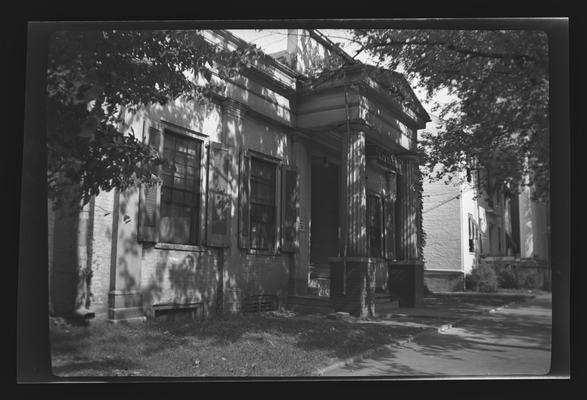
{"x":125,"y":305}
{"x":406,"y":283}
{"x":354,"y":294}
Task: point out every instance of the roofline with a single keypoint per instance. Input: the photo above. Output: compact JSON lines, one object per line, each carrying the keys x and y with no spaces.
{"x":242,"y":43}
{"x":325,"y":41}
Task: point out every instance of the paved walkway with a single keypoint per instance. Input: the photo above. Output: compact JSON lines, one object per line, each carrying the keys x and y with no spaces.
{"x":464,"y":339}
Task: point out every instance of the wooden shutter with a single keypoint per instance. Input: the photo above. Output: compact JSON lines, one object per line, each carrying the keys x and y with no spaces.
{"x":150,"y":196}
{"x":219,"y":199}
{"x":389,"y":227}
{"x":290,"y":209}
{"x":243,"y":201}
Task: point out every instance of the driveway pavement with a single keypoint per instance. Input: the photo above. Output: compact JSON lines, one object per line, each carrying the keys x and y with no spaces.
{"x":464,"y":340}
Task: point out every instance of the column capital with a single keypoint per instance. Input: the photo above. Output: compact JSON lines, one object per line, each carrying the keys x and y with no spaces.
{"x":234,"y":108}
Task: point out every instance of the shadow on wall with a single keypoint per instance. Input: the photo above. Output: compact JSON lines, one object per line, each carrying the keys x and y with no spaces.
{"x":180,"y":279}
{"x":191,"y":277}
{"x":181,"y":112}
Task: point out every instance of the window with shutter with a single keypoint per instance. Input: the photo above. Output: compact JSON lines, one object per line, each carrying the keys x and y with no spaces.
{"x":170,"y":212}
{"x":263,"y":206}
{"x":219,"y":200}
{"x":180,"y":193}
{"x":472,"y":234}
{"x":291,"y":206}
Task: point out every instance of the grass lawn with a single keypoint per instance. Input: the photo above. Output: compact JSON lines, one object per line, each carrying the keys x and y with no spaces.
{"x":268,"y":344}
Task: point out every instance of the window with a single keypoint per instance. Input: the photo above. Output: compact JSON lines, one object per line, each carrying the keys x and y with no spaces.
{"x":473,"y":234}
{"x":263,"y":205}
{"x":374,"y":225}
{"x":180,"y":192}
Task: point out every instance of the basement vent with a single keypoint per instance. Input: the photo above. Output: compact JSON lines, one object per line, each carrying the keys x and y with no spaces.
{"x":259,"y":303}
{"x":171,"y":311}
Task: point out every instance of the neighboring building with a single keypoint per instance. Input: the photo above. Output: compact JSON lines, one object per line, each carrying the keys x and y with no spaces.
{"x":279,"y":178}
{"x":445,"y":258}
{"x":465,"y":227}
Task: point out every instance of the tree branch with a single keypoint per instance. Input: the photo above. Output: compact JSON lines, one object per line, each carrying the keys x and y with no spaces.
{"x":448,"y":46}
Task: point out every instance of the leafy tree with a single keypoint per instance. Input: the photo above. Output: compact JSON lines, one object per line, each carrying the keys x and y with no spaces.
{"x":498,"y":118}
{"x":95,"y":76}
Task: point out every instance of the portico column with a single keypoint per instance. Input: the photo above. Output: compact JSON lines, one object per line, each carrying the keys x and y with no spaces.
{"x":351,"y":274}
{"x":406,"y":276}
{"x":354,"y":194}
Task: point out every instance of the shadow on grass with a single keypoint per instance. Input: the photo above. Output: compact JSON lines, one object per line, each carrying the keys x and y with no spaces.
{"x":271,"y":339}
{"x":341,"y":338}
{"x":279,"y":344}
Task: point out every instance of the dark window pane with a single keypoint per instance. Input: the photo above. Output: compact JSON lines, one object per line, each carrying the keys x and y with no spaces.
{"x":262,"y":204}
{"x":180,"y":203}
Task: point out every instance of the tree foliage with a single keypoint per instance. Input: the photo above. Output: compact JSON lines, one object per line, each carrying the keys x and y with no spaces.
{"x":93,"y":76}
{"x":498,"y":119}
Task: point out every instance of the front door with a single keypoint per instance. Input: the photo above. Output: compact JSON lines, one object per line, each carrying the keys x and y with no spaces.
{"x":324,"y":229}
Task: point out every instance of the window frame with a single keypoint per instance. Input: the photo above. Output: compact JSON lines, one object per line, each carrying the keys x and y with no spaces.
{"x":199,"y":226}
{"x":277,"y":163}
{"x":473,"y":227}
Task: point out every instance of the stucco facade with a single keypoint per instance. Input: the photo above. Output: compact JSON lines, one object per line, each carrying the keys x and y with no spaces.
{"x":272,"y":116}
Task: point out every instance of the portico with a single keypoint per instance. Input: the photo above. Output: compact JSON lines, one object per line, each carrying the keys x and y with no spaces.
{"x":363,"y":121}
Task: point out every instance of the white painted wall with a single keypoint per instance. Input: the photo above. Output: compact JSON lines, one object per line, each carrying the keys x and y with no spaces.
{"x":468,"y":206}
{"x":533,"y":227}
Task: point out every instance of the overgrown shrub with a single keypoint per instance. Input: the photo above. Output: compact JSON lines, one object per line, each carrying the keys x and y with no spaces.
{"x":507,"y":278}
{"x":469,"y":281}
{"x":527,"y":279}
{"x":482,"y":279}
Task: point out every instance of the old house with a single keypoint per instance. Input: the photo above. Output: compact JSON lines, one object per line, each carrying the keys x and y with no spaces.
{"x":467,"y":224}
{"x":280,"y":178}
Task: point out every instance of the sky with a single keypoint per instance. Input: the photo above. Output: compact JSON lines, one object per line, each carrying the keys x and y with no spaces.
{"x":274,"y":40}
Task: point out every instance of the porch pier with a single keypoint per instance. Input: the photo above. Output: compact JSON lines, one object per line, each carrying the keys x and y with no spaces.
{"x":352,"y":277}
{"x":406,"y":275}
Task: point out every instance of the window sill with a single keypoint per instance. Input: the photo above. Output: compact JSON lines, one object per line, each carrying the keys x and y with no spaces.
{"x":181,"y":247}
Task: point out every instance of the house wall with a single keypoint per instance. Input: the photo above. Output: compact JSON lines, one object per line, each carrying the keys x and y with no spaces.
{"x":146,"y":274}
{"x":533,"y":227}
{"x":101,"y":246}
{"x":468,"y":206}
{"x":442,"y":222}
{"x":442,"y":219}
{"x":129,"y":276}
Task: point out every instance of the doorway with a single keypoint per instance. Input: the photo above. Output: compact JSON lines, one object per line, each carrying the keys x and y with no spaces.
{"x":325,"y":214}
